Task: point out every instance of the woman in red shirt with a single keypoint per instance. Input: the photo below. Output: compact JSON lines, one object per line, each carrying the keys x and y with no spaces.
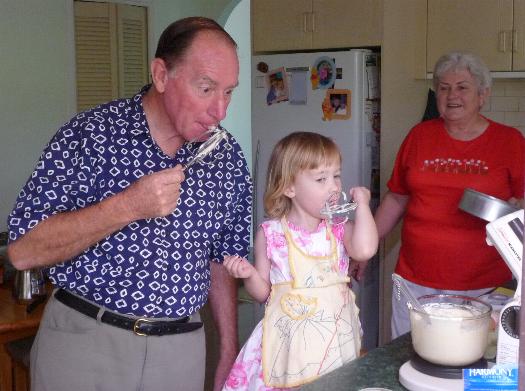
{"x":443,"y":249}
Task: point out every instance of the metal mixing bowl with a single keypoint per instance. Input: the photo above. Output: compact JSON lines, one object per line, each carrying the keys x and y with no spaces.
{"x":484,"y":206}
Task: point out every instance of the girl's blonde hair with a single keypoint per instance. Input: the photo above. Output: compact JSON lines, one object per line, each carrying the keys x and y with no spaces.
{"x":294,"y":153}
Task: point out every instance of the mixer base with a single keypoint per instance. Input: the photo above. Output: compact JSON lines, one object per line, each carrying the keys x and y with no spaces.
{"x":443,"y":371}
{"x":414,"y":380}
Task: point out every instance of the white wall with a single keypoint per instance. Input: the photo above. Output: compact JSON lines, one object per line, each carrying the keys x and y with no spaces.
{"x":506,"y":103}
{"x":35,"y":87}
{"x":239,"y":118}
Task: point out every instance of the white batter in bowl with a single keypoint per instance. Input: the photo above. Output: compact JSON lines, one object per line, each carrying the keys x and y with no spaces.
{"x":452,"y":331}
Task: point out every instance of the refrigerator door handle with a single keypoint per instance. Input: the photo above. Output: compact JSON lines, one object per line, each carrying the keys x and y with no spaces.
{"x":369,"y":139}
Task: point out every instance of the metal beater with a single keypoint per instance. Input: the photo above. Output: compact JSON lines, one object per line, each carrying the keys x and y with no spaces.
{"x":209,"y":146}
{"x":337,"y":208}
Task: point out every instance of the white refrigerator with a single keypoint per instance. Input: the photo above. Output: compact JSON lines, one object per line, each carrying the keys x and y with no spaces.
{"x":303,"y":92}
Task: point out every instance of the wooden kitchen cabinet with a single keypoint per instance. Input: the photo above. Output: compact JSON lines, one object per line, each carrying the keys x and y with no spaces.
{"x":283,"y":25}
{"x":493,"y":29}
{"x":518,"y":56}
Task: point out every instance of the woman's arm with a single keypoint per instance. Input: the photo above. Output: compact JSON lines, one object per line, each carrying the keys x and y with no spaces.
{"x":389,"y":212}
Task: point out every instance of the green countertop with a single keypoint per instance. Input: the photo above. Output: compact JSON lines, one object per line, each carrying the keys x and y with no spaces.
{"x":378,"y":368}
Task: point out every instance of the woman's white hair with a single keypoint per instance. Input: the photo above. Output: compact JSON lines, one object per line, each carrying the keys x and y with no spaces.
{"x":459,"y":61}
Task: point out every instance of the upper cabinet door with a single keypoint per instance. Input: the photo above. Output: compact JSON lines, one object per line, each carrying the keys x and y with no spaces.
{"x":286,"y":25}
{"x":346,"y":23}
{"x":518,"y":54}
{"x":281,"y":25}
{"x":484,"y":27}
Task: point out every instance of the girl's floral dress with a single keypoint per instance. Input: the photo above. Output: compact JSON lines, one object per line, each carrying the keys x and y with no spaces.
{"x":246,"y":373}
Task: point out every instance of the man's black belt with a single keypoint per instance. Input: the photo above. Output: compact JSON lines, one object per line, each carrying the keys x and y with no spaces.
{"x":140,"y":326}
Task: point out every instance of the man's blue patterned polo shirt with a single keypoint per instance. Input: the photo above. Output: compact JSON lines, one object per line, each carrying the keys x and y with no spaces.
{"x":155,"y":267}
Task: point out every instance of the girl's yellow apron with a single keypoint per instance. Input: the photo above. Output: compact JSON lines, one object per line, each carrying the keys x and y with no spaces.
{"x":311,"y":324}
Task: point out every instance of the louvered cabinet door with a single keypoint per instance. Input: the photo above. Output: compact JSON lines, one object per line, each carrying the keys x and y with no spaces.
{"x":96,"y":53}
{"x":111,"y":51}
{"x":132,"y":49}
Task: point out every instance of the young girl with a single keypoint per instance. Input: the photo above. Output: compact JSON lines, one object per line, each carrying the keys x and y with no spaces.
{"x":311,"y":323}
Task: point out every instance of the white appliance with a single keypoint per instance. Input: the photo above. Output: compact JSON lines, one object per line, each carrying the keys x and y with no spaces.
{"x":356,"y":70}
{"x":506,"y":234}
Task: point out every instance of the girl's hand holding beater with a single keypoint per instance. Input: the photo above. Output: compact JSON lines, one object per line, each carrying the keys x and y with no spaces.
{"x":360,"y":194}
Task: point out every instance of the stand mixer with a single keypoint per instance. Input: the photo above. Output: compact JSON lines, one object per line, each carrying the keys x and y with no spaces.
{"x":506,"y":235}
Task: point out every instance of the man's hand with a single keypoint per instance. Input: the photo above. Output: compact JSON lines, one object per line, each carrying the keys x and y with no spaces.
{"x":154,"y":195}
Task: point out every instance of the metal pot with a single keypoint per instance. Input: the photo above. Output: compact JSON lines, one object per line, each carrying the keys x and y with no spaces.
{"x":484,"y":206}
{"x":28,"y":284}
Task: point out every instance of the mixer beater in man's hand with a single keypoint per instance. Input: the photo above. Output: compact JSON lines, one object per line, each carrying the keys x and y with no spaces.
{"x":209,"y":146}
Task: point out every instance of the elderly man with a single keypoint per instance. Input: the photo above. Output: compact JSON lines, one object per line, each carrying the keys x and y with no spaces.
{"x":132,"y":240}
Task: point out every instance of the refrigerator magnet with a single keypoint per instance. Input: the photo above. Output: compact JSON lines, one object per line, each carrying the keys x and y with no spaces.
{"x":277,"y":86}
{"x":337,"y":104}
{"x":323,"y":73}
